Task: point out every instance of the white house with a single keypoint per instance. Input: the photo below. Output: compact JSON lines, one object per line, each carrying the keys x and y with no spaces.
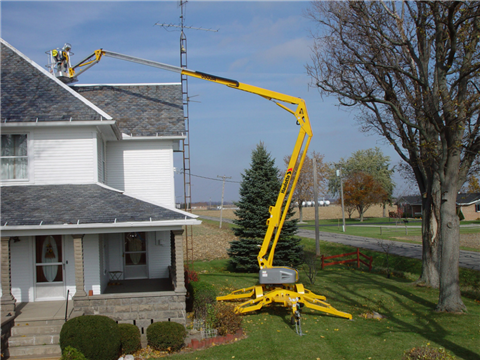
{"x":87,"y":195}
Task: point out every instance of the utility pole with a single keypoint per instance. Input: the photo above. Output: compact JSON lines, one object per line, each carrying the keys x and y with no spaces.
{"x":339,"y":175}
{"x":315,"y":198}
{"x":223,"y":192}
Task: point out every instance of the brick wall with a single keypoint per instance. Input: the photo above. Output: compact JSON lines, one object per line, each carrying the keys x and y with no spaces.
{"x":469,"y":212}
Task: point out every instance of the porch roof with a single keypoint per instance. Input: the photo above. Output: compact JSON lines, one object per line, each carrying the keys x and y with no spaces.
{"x":81,"y":207}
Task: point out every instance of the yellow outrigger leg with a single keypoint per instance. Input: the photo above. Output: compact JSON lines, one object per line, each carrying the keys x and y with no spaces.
{"x":294,"y":296}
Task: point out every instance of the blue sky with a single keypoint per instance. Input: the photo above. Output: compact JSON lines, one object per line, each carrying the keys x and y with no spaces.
{"x":266,"y":44}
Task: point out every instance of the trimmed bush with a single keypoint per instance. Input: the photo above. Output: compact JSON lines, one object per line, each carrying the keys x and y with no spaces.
{"x":227,"y":321}
{"x":166,"y":335}
{"x":427,"y":353}
{"x":130,"y":338}
{"x":97,"y":337}
{"x":203,"y":295}
{"x":71,"y":353}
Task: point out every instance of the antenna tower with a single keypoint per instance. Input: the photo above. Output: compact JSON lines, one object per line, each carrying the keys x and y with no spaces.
{"x":187,"y":177}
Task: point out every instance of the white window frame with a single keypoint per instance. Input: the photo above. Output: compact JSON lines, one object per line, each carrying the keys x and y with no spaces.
{"x":29,"y":156}
{"x":477,"y":207}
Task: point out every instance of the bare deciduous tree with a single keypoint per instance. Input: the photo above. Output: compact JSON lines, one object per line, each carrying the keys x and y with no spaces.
{"x":412,"y":68}
{"x":304,"y":189}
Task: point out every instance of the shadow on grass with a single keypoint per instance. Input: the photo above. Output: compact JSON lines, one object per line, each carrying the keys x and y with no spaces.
{"x":352,"y":292}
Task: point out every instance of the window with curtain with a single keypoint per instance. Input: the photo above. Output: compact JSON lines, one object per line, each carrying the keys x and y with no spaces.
{"x":14,"y":157}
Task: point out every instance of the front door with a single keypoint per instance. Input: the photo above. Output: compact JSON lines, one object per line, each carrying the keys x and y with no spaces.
{"x":135,"y":255}
{"x":49,"y":269}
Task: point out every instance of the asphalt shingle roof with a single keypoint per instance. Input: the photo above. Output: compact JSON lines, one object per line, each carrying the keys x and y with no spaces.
{"x":29,"y":94}
{"x":140,"y":110}
{"x":69,"y":204}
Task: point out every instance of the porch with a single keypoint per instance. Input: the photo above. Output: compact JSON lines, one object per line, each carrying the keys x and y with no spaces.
{"x":43,"y":310}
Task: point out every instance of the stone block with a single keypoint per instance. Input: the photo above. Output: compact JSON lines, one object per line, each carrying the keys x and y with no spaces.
{"x":146,"y":307}
{"x":113,"y":302}
{"x":177,"y":306}
{"x":162,"y":307}
{"x":123,"y":316}
{"x":97,"y":302}
{"x":122,"y":308}
{"x":147,"y":315}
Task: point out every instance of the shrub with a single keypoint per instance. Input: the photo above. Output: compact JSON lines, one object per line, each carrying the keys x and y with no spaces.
{"x":130,"y":338}
{"x":95,"y":336}
{"x":166,"y":336}
{"x":227,"y":321}
{"x":71,"y":353}
{"x":203,"y":294}
{"x":427,"y":353}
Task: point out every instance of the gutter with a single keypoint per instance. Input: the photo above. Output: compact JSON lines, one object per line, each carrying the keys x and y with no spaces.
{"x":98,"y":228}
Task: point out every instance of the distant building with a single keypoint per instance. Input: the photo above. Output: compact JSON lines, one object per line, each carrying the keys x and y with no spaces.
{"x":468,"y":204}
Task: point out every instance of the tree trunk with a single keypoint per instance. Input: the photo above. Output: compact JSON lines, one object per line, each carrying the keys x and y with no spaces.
{"x":430,"y":241}
{"x":449,"y":297}
{"x":300,"y":212}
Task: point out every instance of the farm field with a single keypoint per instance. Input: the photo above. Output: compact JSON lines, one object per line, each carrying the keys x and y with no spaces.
{"x":324,"y":212}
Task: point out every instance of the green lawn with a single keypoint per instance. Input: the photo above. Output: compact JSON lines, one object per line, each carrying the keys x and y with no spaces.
{"x":410,"y":320}
{"x":386,"y":230}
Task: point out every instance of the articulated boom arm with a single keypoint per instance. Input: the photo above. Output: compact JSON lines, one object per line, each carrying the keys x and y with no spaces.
{"x":276,"y":284}
{"x":278,"y":212}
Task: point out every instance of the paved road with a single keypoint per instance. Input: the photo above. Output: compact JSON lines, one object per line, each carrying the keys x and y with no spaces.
{"x":468,"y":259}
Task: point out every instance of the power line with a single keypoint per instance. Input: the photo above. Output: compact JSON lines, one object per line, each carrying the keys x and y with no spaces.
{"x":208,"y":178}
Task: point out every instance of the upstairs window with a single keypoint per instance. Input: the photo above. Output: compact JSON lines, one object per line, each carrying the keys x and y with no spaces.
{"x":14,"y":157}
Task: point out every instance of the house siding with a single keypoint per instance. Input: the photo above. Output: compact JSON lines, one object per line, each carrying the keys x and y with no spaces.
{"x":115,"y":252}
{"x":100,"y":159}
{"x":91,"y":256}
{"x":103,"y":263}
{"x":22,"y":261}
{"x":143,"y":169}
{"x":69,"y":266}
{"x":159,"y":257}
{"x":64,"y":156}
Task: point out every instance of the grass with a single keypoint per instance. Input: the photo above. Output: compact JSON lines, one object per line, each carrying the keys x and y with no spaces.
{"x":389,"y":231}
{"x":410,"y":317}
{"x":410,"y":320}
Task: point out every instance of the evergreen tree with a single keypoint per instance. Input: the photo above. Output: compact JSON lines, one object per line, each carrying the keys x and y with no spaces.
{"x":258,"y":191}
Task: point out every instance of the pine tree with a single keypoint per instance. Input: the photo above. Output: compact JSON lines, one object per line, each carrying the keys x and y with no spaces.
{"x":258,"y":191}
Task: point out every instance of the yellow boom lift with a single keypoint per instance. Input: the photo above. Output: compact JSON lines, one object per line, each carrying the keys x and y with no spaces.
{"x":276,"y":284}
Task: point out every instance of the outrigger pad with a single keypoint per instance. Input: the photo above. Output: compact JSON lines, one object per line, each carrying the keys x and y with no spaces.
{"x":278,"y":275}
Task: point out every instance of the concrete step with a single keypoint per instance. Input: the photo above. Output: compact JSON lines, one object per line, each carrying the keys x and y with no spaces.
{"x":30,"y":340}
{"x":39,"y":322}
{"x":37,"y":351}
{"x":39,"y":329}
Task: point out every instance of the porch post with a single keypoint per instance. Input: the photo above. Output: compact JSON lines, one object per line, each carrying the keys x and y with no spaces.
{"x":79,"y":266}
{"x":178,"y":261}
{"x":7,"y":300}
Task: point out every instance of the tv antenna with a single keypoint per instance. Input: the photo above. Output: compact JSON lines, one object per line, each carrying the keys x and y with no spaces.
{"x":187,"y":177}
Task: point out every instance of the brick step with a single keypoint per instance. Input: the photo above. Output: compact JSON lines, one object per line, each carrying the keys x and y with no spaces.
{"x":34,"y":339}
{"x":32,"y":330}
{"x":37,"y":351}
